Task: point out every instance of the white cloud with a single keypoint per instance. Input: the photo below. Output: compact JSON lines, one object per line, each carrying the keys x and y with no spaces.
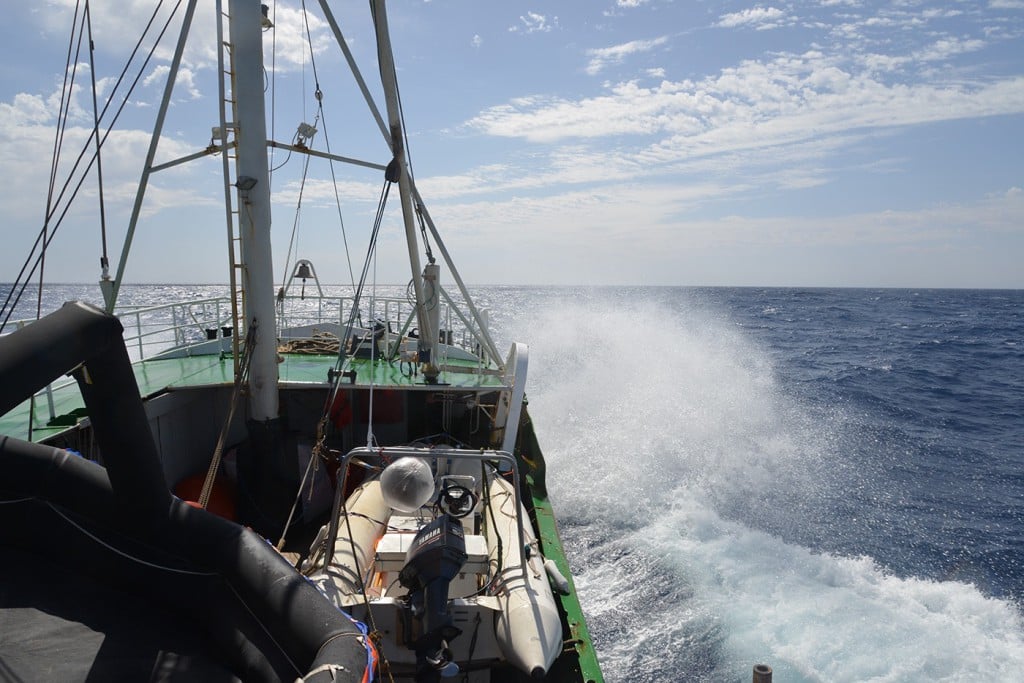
{"x":534,"y":23}
{"x":185,"y":82}
{"x":600,"y":58}
{"x":321,"y":192}
{"x":23,"y":111}
{"x":948,"y":47}
{"x":27,"y":126}
{"x":626,"y":109}
{"x":759,"y":17}
{"x":940,"y":227}
{"x":477,"y":41}
{"x":653,"y":235}
{"x":755,"y":104}
{"x":291,"y":40}
{"x":157,"y":76}
{"x":876,"y":63}
{"x":941,"y":13}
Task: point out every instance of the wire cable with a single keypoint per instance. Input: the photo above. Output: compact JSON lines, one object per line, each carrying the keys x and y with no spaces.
{"x":118,"y":551}
{"x":45,"y":236}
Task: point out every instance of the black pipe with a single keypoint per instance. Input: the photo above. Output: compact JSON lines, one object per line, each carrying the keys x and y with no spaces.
{"x":283,"y":604}
{"x":131,"y":494}
{"x":83,"y":340}
{"x":31,"y":470}
{"x":39,"y":353}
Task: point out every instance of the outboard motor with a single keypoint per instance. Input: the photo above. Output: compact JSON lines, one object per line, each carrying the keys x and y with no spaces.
{"x":437,"y":554}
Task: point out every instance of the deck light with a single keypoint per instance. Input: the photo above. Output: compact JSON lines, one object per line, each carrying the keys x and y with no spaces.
{"x":245,"y":183}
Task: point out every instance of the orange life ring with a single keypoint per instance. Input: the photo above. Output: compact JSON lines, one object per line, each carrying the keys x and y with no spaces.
{"x":222,"y":497}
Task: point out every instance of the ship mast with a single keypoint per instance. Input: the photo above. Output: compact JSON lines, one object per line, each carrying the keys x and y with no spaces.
{"x":253,"y":187}
{"x":427,"y":331}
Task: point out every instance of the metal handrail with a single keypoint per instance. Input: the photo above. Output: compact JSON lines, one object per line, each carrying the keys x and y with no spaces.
{"x":150,"y":330}
{"x":147,"y":332}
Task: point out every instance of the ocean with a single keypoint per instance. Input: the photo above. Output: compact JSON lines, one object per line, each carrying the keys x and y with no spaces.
{"x":826,"y":481}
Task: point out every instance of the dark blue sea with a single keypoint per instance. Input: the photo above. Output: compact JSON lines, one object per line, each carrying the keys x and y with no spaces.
{"x":827,"y":481}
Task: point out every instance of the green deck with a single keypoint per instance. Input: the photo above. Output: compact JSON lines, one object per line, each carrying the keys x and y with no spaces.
{"x":157,"y":375}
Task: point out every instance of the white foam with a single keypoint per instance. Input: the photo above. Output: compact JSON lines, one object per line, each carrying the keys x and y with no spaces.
{"x":666,"y":435}
{"x":820,"y":617}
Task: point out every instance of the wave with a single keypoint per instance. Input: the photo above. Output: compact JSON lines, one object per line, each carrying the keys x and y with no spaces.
{"x":701,"y":504}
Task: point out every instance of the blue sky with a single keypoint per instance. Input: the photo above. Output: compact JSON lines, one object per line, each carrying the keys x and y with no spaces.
{"x":650,"y":142}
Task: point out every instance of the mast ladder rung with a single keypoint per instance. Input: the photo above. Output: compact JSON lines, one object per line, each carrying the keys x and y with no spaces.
{"x":228,"y":108}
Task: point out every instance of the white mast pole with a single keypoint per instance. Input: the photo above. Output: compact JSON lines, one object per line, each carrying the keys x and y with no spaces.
{"x":253,"y":183}
{"x":428,"y":335}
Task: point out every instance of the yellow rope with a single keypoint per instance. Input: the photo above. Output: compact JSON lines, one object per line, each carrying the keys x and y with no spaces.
{"x":240,"y":380}
{"x":322,"y":344}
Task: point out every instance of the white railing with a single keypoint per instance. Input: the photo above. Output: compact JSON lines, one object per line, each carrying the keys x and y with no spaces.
{"x":399,"y":313}
{"x":151,"y":330}
{"x":148,"y":331}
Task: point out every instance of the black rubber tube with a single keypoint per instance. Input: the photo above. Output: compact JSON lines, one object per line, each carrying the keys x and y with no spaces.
{"x":284,"y":605}
{"x":130,"y":494}
{"x":82,"y":339}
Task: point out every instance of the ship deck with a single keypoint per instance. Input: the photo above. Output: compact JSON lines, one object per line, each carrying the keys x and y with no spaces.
{"x":60,"y":407}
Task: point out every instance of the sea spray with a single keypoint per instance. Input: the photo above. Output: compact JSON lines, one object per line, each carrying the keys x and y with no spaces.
{"x":692,"y":491}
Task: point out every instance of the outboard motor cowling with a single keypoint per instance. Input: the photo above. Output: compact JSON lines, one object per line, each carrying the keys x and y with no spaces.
{"x":437,"y":555}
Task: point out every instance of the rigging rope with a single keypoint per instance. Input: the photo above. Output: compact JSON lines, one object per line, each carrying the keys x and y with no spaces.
{"x":45,"y":235}
{"x":319,"y":122}
{"x":390,"y":178}
{"x":241,"y":379}
{"x":373,"y":355}
{"x":104,"y":261}
{"x":321,"y":115}
{"x":294,"y":241}
{"x":375,"y":635}
{"x":298,"y":497}
{"x":337,"y":199}
{"x":298,"y":140}
{"x":118,"y":551}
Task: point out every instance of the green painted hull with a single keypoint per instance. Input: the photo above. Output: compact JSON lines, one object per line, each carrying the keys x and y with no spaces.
{"x":579,"y":661}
